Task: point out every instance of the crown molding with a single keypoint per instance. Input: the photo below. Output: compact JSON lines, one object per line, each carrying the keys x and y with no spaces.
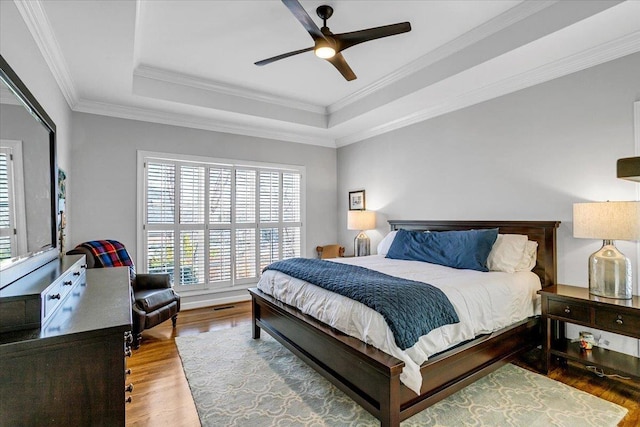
{"x":195,"y":122}
{"x":38,"y":24}
{"x":588,"y":58}
{"x":166,"y":76}
{"x":34,"y":16}
{"x":500,"y":22}
{"x":606,"y":52}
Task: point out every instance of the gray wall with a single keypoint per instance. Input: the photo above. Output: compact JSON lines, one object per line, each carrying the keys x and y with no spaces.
{"x":23,"y":55}
{"x":528,"y":155}
{"x":103,"y":196}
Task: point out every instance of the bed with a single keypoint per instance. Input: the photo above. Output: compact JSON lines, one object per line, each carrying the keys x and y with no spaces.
{"x":370,"y":376}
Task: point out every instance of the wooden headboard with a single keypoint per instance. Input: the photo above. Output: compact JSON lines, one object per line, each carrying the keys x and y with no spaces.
{"x":543,"y":232}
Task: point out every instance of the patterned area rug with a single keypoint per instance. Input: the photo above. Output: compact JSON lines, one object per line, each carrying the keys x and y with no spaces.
{"x":238,"y":381}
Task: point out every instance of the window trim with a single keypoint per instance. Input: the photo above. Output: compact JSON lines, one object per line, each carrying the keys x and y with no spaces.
{"x":17,"y":209}
{"x":144,"y":156}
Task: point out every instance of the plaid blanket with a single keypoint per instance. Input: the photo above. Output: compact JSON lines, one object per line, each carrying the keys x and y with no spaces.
{"x":110,"y":253}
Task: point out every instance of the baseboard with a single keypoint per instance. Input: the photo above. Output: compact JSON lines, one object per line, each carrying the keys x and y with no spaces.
{"x":185,"y":304}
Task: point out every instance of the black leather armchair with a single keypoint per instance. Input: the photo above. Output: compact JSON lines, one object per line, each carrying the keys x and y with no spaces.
{"x":153,"y":300}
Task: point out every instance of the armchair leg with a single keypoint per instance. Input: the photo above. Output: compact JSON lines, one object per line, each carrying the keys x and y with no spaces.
{"x":174,"y":319}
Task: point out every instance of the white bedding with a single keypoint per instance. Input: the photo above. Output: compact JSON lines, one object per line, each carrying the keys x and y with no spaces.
{"x":485,"y":302}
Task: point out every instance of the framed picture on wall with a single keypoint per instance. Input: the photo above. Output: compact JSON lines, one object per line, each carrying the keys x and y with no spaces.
{"x":356,"y":200}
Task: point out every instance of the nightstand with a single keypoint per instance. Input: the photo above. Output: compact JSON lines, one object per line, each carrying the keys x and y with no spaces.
{"x":570,"y":304}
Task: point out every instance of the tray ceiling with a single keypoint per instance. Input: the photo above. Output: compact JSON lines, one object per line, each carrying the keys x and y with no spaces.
{"x":190,"y":63}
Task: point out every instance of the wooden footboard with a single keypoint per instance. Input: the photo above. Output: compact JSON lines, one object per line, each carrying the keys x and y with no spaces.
{"x":371,"y":377}
{"x":367,"y":375}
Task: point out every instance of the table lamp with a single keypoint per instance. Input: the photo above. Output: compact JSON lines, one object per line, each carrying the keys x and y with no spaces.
{"x":609,"y":269}
{"x":361,"y":220}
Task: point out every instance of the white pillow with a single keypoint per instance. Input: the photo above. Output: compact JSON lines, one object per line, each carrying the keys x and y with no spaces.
{"x":507,"y":252}
{"x":385,"y":244}
{"x":530,"y":256}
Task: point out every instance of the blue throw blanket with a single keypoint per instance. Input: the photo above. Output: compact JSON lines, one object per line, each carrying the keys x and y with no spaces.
{"x":410,"y":308}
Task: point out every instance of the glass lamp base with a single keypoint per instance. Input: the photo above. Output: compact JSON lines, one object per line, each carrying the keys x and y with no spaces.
{"x":610,"y":273}
{"x":362,"y":245}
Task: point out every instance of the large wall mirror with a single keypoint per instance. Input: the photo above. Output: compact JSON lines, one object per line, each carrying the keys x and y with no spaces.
{"x":28,"y":180}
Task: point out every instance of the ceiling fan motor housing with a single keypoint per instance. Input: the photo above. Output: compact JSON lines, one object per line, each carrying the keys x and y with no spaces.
{"x":324,"y":12}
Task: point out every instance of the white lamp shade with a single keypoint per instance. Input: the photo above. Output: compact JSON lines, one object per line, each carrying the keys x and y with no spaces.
{"x":361,"y":220}
{"x":607,"y":220}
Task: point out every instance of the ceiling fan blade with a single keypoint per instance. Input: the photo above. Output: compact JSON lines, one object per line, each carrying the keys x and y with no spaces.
{"x":301,"y":15}
{"x":346,"y":40}
{"x":340,"y":63}
{"x":284,"y":55}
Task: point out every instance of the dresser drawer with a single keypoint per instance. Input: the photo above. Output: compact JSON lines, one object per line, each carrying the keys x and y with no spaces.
{"x":615,"y":321}
{"x":65,"y":311}
{"x":51,"y":297}
{"x":57,"y":293}
{"x":569,"y":311}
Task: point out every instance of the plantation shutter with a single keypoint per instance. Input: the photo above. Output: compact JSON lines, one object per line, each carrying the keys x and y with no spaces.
{"x":7,"y":228}
{"x":161,"y":180}
{"x":291,"y":198}
{"x":218,"y":225}
{"x":245,"y":203}
{"x":291,"y":215}
{"x":191,"y":195}
{"x":160,"y":217}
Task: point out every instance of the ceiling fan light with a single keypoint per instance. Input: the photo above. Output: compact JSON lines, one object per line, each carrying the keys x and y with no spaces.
{"x":325,"y":52}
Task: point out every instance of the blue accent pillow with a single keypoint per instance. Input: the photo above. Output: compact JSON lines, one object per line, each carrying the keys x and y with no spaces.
{"x":458,"y":249}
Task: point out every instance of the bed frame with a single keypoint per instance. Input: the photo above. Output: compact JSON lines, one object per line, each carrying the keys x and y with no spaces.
{"x":372,"y":377}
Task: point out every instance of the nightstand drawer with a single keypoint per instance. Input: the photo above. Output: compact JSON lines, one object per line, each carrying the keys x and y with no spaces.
{"x":616,"y":321}
{"x":569,"y":311}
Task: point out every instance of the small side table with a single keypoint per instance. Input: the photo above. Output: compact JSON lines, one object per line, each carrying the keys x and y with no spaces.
{"x":570,"y":304}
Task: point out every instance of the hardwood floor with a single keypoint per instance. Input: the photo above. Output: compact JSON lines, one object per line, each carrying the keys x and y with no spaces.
{"x":161,"y":394}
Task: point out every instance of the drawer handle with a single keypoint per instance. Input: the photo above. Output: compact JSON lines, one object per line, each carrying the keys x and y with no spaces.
{"x":129,"y":388}
{"x":619,"y":320}
{"x":67,"y":283}
{"x":83,"y":266}
{"x":127,"y":352}
{"x":127,"y":400}
{"x":567,"y":310}
{"x":127,"y":371}
{"x":54,"y":296}
{"x":76,"y":273}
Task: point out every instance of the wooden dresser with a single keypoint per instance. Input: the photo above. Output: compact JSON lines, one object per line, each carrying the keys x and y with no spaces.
{"x":71,"y":370}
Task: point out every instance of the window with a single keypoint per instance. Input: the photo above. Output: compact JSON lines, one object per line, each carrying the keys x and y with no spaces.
{"x":13,"y":233}
{"x":215,"y":224}
{"x":7,"y":245}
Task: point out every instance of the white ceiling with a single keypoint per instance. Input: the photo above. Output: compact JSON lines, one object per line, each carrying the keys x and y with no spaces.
{"x":190,"y":63}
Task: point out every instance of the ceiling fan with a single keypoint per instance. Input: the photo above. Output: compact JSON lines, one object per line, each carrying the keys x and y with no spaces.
{"x":328,"y":45}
